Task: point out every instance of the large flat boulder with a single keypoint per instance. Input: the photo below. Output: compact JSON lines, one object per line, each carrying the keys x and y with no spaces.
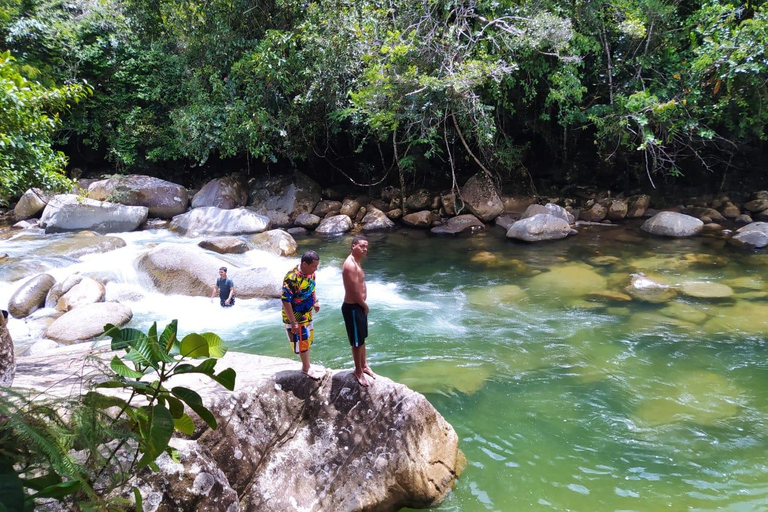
{"x":88,"y":321}
{"x":182,"y":269}
{"x":286,"y":442}
{"x":68,"y":212}
{"x":481,"y":198}
{"x":540,"y":227}
{"x":225,"y":193}
{"x":213,"y":221}
{"x":162,"y":198}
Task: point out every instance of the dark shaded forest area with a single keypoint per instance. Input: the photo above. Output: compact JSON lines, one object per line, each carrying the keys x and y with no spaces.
{"x":621,"y":95}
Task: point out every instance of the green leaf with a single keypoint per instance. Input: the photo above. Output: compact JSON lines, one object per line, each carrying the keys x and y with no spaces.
{"x":193,"y":400}
{"x":122,"y":369}
{"x":137,"y":499}
{"x":11,"y":487}
{"x":123,"y":338}
{"x":194,"y":345}
{"x":158,"y":436}
{"x":205,"y":367}
{"x":175,"y":405}
{"x":185,"y":425}
{"x":168,"y":337}
{"x":226,"y":378}
{"x":59,"y":490}
{"x":99,"y":401}
{"x":216,"y":347}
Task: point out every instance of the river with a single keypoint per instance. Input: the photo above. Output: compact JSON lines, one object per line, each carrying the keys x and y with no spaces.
{"x":565,"y":395}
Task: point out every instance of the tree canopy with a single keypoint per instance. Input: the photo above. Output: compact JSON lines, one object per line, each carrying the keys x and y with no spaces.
{"x":622,"y":91}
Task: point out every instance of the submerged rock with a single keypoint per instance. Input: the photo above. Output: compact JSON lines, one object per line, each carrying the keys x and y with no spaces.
{"x":570,"y":280}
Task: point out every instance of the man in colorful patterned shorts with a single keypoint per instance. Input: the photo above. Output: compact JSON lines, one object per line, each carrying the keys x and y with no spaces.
{"x":299,"y":302}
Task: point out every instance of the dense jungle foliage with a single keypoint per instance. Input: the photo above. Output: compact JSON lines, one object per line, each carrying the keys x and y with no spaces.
{"x":618,"y":93}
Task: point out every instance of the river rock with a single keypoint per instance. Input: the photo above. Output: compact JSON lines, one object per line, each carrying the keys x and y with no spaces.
{"x":225,"y":245}
{"x":88,"y":321}
{"x":308,"y":220}
{"x":549,"y":209}
{"x":291,"y":194}
{"x":673,"y":224}
{"x":505,"y":220}
{"x":376,"y":220}
{"x":393,"y":214}
{"x":7,"y":353}
{"x":286,"y":442}
{"x":275,"y":241}
{"x":756,"y":205}
{"x":705,"y":213}
{"x":60,"y":288}
{"x":569,"y":280}
{"x":350,"y":207}
{"x":276,"y":219}
{"x":30,"y":204}
{"x":538,"y":228}
{"x":162,"y":198}
{"x":335,"y":225}
{"x":419,"y":200}
{"x":517,"y":204}
{"x":466,"y":223}
{"x":637,"y":206}
{"x":647,"y":290}
{"x":685,"y":312}
{"x":594,"y":213}
{"x":30,"y":296}
{"x":217,"y":221}
{"x":68,"y":212}
{"x":751,"y":236}
{"x":481,"y":198}
{"x":617,"y":209}
{"x":422,"y":219}
{"x":706,"y":290}
{"x":226,"y":193}
{"x":82,"y":243}
{"x":324,"y":207}
{"x":189,"y":270}
{"x":87,"y":291}
{"x":730,"y":210}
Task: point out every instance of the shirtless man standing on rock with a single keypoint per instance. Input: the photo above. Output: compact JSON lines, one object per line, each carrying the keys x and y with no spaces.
{"x":355,"y":309}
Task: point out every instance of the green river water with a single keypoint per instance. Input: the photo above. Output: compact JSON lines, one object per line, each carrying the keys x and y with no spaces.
{"x":565,"y":399}
{"x":565,"y":394}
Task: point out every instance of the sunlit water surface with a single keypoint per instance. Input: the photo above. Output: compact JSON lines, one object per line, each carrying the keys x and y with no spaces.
{"x":564,"y":397}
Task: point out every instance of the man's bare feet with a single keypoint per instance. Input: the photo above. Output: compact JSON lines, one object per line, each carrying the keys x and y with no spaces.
{"x":361,"y":379}
{"x":368,"y":371}
{"x":312,"y":374}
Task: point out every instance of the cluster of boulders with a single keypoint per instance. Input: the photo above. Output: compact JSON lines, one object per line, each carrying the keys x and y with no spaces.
{"x":231,"y":206}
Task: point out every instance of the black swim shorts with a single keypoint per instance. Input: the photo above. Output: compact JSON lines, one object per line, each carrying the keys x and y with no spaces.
{"x":357,"y":323}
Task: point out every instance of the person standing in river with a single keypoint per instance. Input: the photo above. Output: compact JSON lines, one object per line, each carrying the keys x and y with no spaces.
{"x":355,"y":309}
{"x":299,"y":302}
{"x":225,"y":288}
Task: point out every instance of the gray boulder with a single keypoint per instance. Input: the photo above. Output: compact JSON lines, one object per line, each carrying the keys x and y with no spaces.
{"x":349,"y":207}
{"x":538,"y":228}
{"x":751,"y":236}
{"x":466,"y":223}
{"x":549,"y":209}
{"x":756,"y":205}
{"x":60,"y":288}
{"x":705,"y":214}
{"x":275,"y":241}
{"x":225,"y":245}
{"x":617,"y":209}
{"x":30,"y":204}
{"x":162,"y":198}
{"x":481,"y":198}
{"x":291,"y":194}
{"x":82,"y":243}
{"x":594,"y":213}
{"x":326,"y":207}
{"x":419,"y":200}
{"x":217,"y":221}
{"x":225,"y":193}
{"x":189,"y":270}
{"x":68,"y":212}
{"x":335,"y":225}
{"x":505,"y":220}
{"x":376,"y":220}
{"x":30,"y":296}
{"x":673,"y":224}
{"x":7,"y":353}
{"x":308,"y":220}
{"x":88,"y":321}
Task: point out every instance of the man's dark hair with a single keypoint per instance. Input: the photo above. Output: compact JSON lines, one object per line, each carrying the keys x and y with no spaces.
{"x":358,"y":238}
{"x":309,"y":256}
{"x":223,"y":268}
